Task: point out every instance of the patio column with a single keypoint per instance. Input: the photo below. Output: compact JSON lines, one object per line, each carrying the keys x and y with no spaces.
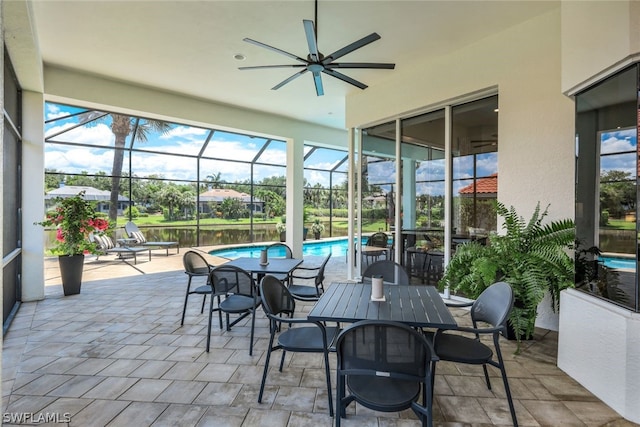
{"x":295,"y":195}
{"x":32,"y":196}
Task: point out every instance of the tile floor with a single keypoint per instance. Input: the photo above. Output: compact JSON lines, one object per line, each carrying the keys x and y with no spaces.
{"x":116,"y":355}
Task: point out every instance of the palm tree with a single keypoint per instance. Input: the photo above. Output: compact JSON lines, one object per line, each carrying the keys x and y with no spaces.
{"x":122,"y":126}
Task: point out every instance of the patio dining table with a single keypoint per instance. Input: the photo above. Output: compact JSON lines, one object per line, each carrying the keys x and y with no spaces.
{"x":274,"y":266}
{"x":416,"y":306}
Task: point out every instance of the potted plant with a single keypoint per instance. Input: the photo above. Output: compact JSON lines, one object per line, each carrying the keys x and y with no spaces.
{"x":531,"y":256}
{"x":75,"y":220}
{"x":317,"y":228}
{"x":281,"y":227}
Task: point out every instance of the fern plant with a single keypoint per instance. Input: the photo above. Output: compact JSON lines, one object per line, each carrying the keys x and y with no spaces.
{"x":534,"y":258}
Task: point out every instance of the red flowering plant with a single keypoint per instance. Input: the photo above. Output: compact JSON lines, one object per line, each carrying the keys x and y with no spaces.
{"x":75,"y":220}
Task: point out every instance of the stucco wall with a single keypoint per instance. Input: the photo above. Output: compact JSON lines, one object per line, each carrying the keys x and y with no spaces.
{"x":597,"y":36}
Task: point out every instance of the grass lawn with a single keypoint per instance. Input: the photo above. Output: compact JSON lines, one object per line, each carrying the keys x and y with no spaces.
{"x":620,"y":224}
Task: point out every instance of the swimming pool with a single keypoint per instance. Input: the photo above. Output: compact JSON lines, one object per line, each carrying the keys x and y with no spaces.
{"x":312,"y":248}
{"x":617,"y":262}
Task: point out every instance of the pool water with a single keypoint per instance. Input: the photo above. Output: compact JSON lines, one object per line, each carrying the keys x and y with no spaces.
{"x":621,"y":263}
{"x":312,"y":248}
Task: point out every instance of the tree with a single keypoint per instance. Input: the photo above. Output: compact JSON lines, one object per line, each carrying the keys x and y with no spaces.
{"x":171,"y":197}
{"x":232,"y":208}
{"x":617,"y":192}
{"x":215,"y":180}
{"x":122,"y":126}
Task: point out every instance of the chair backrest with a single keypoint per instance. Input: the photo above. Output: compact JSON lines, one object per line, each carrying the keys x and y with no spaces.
{"x":379,"y":239}
{"x":277,"y":249}
{"x":195,"y":264}
{"x":134,"y":232}
{"x":276,"y":298}
{"x":384,"y":346}
{"x":319,"y":279}
{"x":391,"y":272}
{"x":494,"y":305}
{"x":232,"y":279}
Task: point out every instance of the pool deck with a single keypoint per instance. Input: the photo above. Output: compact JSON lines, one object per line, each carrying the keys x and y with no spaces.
{"x":116,"y":355}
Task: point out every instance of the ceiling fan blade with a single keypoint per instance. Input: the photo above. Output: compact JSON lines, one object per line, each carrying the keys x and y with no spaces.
{"x":310,"y":33}
{"x":284,"y":82}
{"x":275,"y":49}
{"x":345,"y":78}
{"x":272,"y":66}
{"x":350,"y":48}
{"x":377,"y":65}
{"x":317,"y":80}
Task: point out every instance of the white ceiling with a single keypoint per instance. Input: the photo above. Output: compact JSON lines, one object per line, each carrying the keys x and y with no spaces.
{"x":188,"y":47}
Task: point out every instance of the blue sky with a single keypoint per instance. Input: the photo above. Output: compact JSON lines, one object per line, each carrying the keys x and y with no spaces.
{"x":619,"y":141}
{"x":181,"y":139}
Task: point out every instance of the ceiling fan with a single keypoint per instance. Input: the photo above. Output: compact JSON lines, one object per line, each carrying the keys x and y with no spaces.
{"x":317,"y":63}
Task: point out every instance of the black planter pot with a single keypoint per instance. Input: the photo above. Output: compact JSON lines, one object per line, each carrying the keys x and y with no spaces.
{"x":71,"y":267}
{"x":511,"y":334}
{"x":317,"y":236}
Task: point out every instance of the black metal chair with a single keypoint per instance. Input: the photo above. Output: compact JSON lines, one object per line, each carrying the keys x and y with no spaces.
{"x":386,"y":366}
{"x":241,"y":297}
{"x":492,"y":307}
{"x":308,"y":292}
{"x":280,"y":250}
{"x":377,"y":240}
{"x":277,"y":303}
{"x":391,"y":272}
{"x":196,"y":266}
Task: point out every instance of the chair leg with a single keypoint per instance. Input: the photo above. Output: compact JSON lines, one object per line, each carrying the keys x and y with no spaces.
{"x":266,"y":366}
{"x":282,"y":360}
{"x":186,"y":298}
{"x":209,"y":326}
{"x":486,"y":376}
{"x":253,"y":324}
{"x":204,"y":299}
{"x":328,"y":374}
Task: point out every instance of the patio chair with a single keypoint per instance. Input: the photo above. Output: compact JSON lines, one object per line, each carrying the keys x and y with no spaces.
{"x":280,"y":250}
{"x":376,"y":240}
{"x":391,"y":272}
{"x":241,"y":297}
{"x":279,"y":306}
{"x":492,"y":307}
{"x":386,"y":367}
{"x":196,"y":266}
{"x":308,"y":292}
{"x":106,"y":246}
{"x":134,"y":233}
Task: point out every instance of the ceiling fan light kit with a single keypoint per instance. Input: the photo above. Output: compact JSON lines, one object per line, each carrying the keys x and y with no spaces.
{"x":317,"y":63}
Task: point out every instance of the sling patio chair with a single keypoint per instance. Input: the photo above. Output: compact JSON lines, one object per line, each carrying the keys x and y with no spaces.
{"x":241,"y":298}
{"x":134,"y":233}
{"x":302,"y":335}
{"x":489,"y":314}
{"x":307,"y":283}
{"x":385,"y":366}
{"x":196,"y":266}
{"x":391,"y":272}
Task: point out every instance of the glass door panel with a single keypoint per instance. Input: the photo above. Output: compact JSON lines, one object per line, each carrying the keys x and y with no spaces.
{"x":474,"y":145}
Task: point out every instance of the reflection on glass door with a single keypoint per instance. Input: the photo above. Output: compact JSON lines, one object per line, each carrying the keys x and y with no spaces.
{"x":474,"y":148}
{"x":378,"y":171}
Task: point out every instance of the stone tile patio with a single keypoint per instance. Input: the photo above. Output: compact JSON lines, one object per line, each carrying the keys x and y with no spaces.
{"x":116,"y":355}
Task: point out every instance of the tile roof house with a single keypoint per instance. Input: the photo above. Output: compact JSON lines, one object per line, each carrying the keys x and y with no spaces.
{"x":217,"y":196}
{"x":486,"y":188}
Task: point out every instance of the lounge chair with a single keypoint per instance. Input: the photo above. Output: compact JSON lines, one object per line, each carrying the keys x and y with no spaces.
{"x":134,"y":233}
{"x":106,"y":246}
